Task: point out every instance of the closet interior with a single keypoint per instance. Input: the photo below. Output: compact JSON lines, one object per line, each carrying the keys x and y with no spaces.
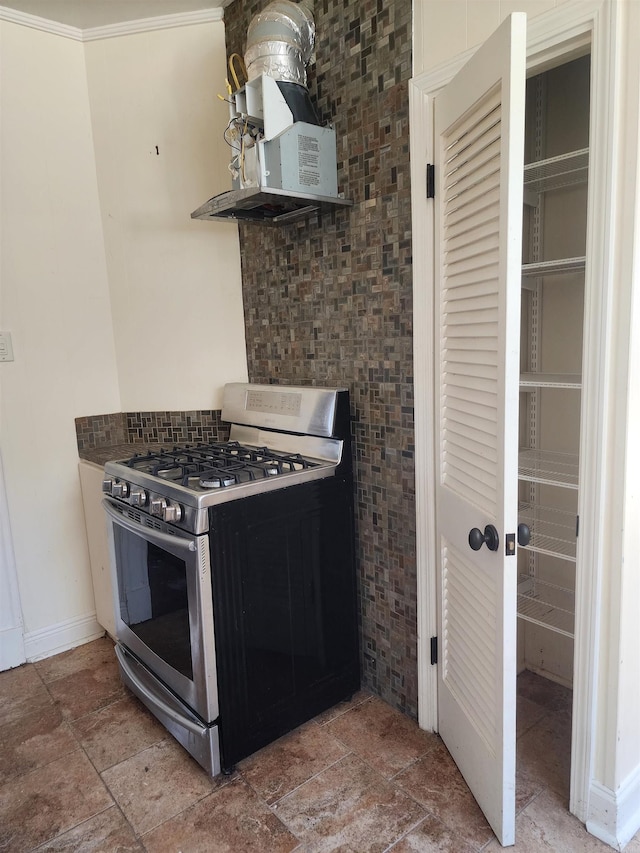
{"x":554,"y":247}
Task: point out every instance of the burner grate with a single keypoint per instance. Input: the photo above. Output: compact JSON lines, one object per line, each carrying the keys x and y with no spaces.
{"x":215,"y":466}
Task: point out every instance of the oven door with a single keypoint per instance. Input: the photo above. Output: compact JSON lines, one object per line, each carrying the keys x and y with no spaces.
{"x":163,"y":604}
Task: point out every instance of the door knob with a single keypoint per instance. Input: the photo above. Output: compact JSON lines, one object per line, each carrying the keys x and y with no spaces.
{"x":489,"y":538}
{"x":524,"y":534}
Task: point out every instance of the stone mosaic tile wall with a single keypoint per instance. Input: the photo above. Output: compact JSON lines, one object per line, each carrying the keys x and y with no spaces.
{"x":176,"y":427}
{"x":97,"y":430}
{"x":150,"y":428}
{"x":329,"y":302}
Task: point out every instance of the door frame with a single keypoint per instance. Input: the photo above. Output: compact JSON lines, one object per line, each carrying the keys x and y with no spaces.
{"x":12,"y":651}
{"x":553,"y":37}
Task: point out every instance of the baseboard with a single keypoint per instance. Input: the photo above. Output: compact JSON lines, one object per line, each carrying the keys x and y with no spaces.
{"x":11,"y":648}
{"x":550,"y":676}
{"x":614,"y":816}
{"x":61,"y":637}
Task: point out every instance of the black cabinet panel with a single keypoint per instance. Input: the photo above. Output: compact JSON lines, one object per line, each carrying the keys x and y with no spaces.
{"x":284,"y":609}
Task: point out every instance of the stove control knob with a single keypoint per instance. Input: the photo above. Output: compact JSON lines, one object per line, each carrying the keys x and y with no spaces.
{"x":120,"y":489}
{"x":137,"y":497}
{"x":157,"y":506}
{"x":172,"y":513}
{"x":107,"y":483}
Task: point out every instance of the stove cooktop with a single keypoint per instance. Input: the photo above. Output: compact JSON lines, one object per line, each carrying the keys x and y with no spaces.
{"x":217,"y":466}
{"x":280,"y":436}
{"x":179,"y":485}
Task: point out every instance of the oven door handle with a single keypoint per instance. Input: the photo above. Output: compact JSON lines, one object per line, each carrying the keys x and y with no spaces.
{"x":198,"y":729}
{"x":156,"y":537}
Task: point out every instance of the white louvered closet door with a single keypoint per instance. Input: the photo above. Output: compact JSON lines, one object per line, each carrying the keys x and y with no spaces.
{"x":479,"y":141}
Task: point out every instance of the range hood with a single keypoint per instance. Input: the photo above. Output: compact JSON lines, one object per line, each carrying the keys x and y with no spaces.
{"x":283,"y":163}
{"x":268,"y":205}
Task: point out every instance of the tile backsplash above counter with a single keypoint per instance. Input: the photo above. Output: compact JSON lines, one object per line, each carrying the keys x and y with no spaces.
{"x":120,"y":434}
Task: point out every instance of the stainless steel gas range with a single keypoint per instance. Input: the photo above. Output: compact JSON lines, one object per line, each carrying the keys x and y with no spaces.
{"x":233,"y":572}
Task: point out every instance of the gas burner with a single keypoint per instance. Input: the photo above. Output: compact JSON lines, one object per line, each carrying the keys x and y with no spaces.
{"x":217,"y":480}
{"x":171,"y":473}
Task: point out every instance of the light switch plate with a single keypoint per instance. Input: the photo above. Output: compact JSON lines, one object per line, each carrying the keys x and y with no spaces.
{"x":6,"y":347}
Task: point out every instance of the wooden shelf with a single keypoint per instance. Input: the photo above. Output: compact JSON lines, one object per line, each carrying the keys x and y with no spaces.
{"x":553,"y":531}
{"x":550,"y":380}
{"x":557,"y":172}
{"x":546,"y":604}
{"x":550,"y":468}
{"x":561,"y":266}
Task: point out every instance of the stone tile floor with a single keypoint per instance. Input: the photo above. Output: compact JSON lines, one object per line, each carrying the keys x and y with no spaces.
{"x":84,"y":767}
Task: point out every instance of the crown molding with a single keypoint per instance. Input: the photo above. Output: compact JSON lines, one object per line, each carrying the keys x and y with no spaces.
{"x":145,"y":25}
{"x":13,"y":16}
{"x":163,"y":22}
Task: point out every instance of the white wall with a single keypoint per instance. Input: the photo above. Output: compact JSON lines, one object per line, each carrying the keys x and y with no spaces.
{"x":115,"y":298}
{"x":445,"y":28}
{"x":175,"y":282}
{"x":54,"y":299}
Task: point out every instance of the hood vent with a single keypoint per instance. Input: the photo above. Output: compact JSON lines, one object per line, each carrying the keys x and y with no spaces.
{"x":280,"y":42}
{"x":283,"y":163}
